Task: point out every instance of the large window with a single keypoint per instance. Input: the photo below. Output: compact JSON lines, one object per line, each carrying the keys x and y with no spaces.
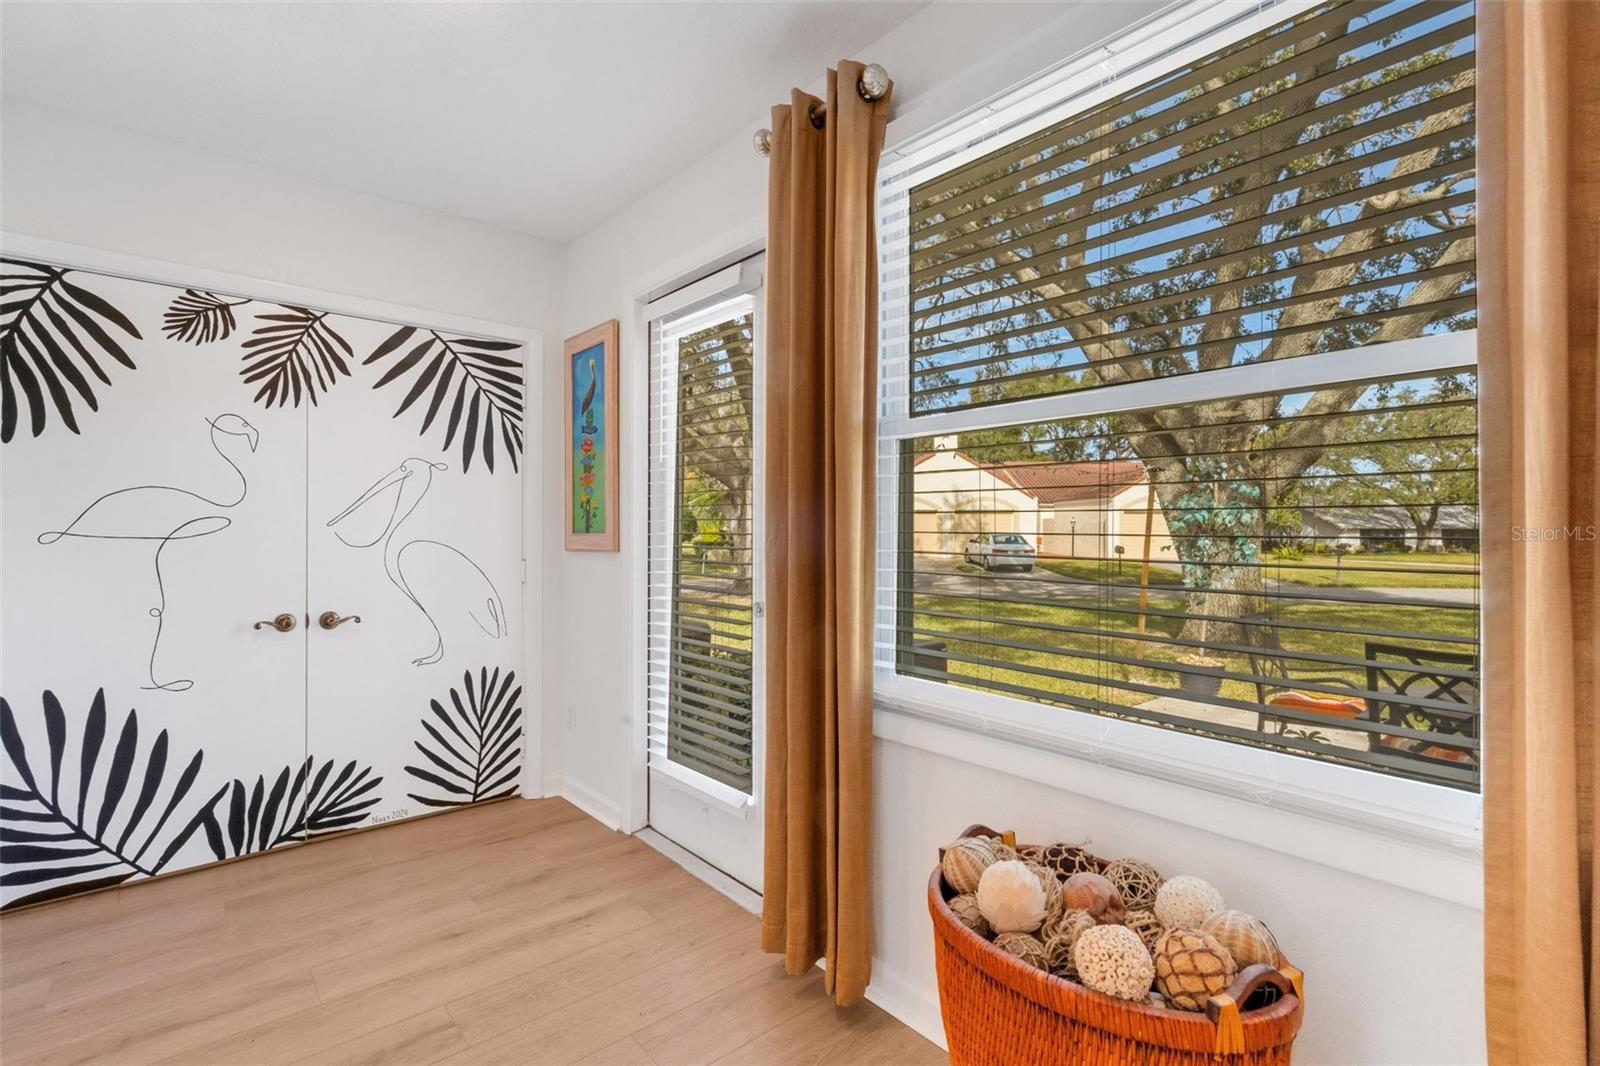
{"x":1179,"y":396}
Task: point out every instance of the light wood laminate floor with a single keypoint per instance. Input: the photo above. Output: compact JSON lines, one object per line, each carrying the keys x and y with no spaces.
{"x":517,"y":932}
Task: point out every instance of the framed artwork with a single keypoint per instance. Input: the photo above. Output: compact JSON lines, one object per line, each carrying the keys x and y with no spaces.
{"x":592,"y":444}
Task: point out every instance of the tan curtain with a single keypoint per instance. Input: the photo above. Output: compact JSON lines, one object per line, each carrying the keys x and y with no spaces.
{"x":1539,"y":212}
{"x":821,"y":437}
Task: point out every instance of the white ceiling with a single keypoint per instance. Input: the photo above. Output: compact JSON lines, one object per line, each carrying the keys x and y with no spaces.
{"x":539,"y":117}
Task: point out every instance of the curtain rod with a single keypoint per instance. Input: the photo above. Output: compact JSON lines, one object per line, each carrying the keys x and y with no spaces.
{"x":872,"y":84}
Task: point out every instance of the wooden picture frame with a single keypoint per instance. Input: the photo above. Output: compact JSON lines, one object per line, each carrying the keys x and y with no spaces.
{"x":593,"y":439}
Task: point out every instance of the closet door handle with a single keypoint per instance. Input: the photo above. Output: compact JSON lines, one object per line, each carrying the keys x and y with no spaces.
{"x":283,"y":623}
{"x":331,"y":619}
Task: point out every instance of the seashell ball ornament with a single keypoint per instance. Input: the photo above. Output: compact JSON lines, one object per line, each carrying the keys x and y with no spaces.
{"x":965,"y":908}
{"x":1112,"y":959}
{"x":1246,"y":937}
{"x":1191,"y":967}
{"x":1093,"y":893}
{"x":1024,"y":946}
{"x":1010,"y":897}
{"x":1186,"y":902}
{"x":964,"y":862}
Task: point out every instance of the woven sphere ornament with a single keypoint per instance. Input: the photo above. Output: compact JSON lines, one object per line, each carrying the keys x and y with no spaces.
{"x":1186,"y":902}
{"x":1002,"y":851}
{"x":1067,"y":859}
{"x":1093,"y":893}
{"x":1191,"y":967}
{"x":1051,"y":886}
{"x":1010,"y":897}
{"x":1136,"y":879}
{"x":1147,"y":925}
{"x":965,"y":908}
{"x":1112,"y":959}
{"x":1058,"y":955}
{"x":1024,"y":946}
{"x":1067,"y":922}
{"x":964,"y":863}
{"x":1247,"y":938}
{"x":1029,"y":852}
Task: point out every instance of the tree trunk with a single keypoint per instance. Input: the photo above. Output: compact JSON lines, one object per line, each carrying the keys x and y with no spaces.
{"x":1213,"y":507}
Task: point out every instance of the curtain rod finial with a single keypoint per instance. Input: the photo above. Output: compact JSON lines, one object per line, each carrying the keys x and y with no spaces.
{"x":873,"y":83}
{"x":762,"y":142}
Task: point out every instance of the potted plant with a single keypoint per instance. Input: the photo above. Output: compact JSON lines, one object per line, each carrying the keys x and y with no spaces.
{"x":1203,"y":674}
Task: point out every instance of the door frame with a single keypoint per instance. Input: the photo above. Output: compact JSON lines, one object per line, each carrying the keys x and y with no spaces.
{"x":184,"y":275}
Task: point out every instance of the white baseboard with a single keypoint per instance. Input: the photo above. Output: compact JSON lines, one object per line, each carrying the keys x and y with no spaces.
{"x":907,"y":1002}
{"x":600,"y":808}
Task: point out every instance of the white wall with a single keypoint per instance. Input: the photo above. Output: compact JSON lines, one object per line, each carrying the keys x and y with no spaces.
{"x":1393,"y":975}
{"x":108,"y":190}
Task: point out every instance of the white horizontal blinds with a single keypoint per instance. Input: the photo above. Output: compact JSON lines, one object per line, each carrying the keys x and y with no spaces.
{"x":1308,"y":188}
{"x":1192,"y":565}
{"x":701,"y":527}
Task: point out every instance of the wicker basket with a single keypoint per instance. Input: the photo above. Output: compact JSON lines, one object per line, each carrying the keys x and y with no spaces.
{"x":1000,"y":1011}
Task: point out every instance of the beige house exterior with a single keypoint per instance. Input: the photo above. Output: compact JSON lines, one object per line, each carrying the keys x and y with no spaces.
{"x":1065,"y":510}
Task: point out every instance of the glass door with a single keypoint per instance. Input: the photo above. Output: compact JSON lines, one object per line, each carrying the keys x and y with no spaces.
{"x":704,"y":612}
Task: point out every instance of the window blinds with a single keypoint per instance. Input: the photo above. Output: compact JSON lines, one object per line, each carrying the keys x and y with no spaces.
{"x":701,"y":523}
{"x":1307,"y":189}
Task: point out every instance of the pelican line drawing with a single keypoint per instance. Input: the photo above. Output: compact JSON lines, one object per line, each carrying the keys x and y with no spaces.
{"x":440,"y":581}
{"x":164,"y":514}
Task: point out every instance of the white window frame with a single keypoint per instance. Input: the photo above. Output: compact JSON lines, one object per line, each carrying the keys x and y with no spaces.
{"x":696,"y":306}
{"x":1066,"y":747}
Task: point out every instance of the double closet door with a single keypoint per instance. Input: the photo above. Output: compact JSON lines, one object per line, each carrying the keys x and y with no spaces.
{"x":260,"y":575}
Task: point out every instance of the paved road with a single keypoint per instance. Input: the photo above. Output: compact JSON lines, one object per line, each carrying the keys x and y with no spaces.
{"x":940,"y":578}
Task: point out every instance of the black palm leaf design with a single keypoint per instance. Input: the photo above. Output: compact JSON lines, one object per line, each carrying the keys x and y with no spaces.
{"x":51,"y":330}
{"x":292,"y":808}
{"x":47,"y":837}
{"x":294,"y":353}
{"x":200,"y":317}
{"x":475,"y":755}
{"x":482,"y":387}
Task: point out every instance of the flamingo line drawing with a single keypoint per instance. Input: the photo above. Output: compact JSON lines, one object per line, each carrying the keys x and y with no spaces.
{"x":164,"y":514}
{"x":450,"y":572}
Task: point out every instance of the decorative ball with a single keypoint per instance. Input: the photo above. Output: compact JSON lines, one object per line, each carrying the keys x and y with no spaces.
{"x":1024,"y":946}
{"x":1067,"y":859}
{"x":1029,"y":852}
{"x":1002,"y":851}
{"x":1052,"y":887}
{"x":1185,"y":902}
{"x":1247,"y":938}
{"x":965,"y":908}
{"x":1058,"y":955}
{"x":1191,"y":967}
{"x":1112,"y":959}
{"x":1010,"y":897}
{"x":1147,"y":925}
{"x":1136,"y":879}
{"x":1093,"y":893}
{"x":1067,"y":922}
{"x":964,"y":863}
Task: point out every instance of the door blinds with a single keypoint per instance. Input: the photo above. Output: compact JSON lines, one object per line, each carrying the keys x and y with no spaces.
{"x":701,"y":521}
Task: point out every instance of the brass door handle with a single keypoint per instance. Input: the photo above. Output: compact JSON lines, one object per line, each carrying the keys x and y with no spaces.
{"x":283,"y":623}
{"x":331,"y":619}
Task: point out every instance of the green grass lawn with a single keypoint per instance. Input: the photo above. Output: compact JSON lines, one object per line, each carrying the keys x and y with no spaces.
{"x":1098,"y":570}
{"x":1413,"y":570}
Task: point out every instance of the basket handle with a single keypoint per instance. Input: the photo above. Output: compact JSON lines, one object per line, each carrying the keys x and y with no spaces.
{"x":1223,"y":1009}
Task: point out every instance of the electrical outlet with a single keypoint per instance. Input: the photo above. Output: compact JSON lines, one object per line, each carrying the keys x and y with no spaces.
{"x":572,"y":716}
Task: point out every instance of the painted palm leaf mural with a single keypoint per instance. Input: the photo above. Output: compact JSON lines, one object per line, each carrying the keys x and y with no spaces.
{"x":470,"y":386}
{"x":294,"y":351}
{"x":56,"y":333}
{"x":261,"y":817}
{"x":127,"y":815}
{"x":473,"y":750}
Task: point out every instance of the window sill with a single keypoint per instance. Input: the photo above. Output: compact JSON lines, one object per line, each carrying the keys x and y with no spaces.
{"x":1416,"y":836}
{"x":704,"y":789}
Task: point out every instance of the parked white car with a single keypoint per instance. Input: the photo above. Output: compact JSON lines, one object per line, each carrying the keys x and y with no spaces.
{"x":994,"y":550}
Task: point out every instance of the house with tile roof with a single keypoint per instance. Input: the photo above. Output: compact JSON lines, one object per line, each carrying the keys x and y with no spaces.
{"x":1082,"y":510}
